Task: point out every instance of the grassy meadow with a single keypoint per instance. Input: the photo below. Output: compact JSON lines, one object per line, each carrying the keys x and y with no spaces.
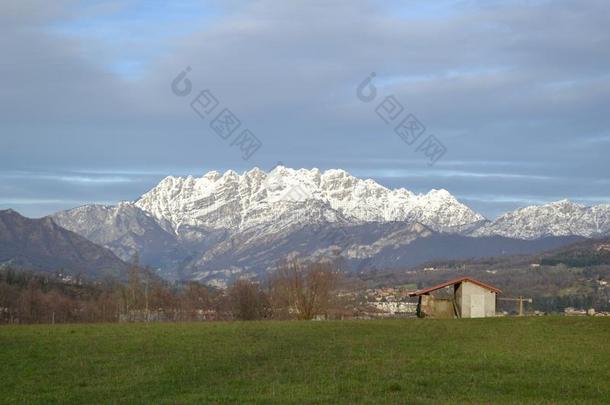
{"x":500,"y":360}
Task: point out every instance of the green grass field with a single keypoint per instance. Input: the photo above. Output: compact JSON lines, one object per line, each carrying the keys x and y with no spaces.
{"x":509,"y":360}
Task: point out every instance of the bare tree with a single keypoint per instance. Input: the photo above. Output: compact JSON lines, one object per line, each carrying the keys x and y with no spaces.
{"x":195,"y":299}
{"x":303,"y":288}
{"x":135,"y":289}
{"x":248,"y":301}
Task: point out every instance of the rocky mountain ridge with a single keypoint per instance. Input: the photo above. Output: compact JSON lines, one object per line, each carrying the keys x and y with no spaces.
{"x":560,"y":218}
{"x":219,"y":226}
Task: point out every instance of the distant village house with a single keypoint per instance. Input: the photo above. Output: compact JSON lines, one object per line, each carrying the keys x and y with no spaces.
{"x":603,"y":247}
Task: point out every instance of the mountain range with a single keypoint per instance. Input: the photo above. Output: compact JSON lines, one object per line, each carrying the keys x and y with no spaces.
{"x":42,"y":245}
{"x":220,"y":226}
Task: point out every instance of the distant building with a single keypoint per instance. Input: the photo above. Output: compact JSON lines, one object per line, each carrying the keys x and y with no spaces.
{"x":571,"y":311}
{"x":463,"y":297}
{"x":394,"y":308}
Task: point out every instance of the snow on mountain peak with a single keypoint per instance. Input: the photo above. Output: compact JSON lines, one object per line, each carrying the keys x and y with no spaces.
{"x":213,"y":175}
{"x":220,"y":225}
{"x":565,"y":203}
{"x":558,"y":218}
{"x":234,"y":201}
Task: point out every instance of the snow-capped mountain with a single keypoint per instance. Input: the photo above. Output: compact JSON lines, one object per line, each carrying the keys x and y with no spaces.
{"x":559,"y":218}
{"x":219,"y":226}
{"x":284,"y":195}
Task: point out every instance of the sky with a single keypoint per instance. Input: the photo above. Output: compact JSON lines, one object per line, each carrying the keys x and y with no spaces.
{"x":514,"y":95}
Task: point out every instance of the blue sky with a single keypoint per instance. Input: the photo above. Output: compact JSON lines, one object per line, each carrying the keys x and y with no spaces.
{"x":516,"y":92}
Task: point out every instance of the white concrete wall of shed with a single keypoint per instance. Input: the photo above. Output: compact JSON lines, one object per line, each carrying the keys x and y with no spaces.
{"x":463,"y":297}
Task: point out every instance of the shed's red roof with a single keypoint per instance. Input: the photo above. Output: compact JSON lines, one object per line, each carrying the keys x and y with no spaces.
{"x":452,"y":282}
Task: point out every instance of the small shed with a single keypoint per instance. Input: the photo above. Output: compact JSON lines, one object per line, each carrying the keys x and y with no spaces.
{"x":462,"y":297}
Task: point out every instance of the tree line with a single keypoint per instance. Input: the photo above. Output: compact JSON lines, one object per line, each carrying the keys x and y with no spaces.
{"x":295,"y":290}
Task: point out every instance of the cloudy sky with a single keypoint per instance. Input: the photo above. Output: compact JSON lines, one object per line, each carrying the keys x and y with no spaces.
{"x":516,"y":92}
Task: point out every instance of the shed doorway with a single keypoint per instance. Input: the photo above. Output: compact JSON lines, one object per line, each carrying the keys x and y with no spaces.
{"x":477,"y":306}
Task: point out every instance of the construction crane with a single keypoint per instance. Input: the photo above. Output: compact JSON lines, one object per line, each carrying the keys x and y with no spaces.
{"x":520,"y":301}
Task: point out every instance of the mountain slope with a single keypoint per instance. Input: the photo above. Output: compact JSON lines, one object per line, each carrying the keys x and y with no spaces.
{"x":126,"y":230}
{"x":591,"y":252}
{"x":560,"y":218}
{"x":42,"y":245}
{"x":363,"y":247}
